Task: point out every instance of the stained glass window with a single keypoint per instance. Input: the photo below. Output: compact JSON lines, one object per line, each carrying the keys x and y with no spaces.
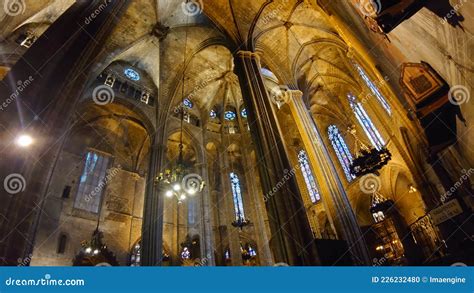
{"x":187,"y":103}
{"x":237,"y":196}
{"x":243,"y":113}
{"x":375,"y":90}
{"x":185,"y":253}
{"x":132,"y":74}
{"x":342,"y":151}
{"x":92,"y":183}
{"x":213,"y":114}
{"x":230,"y":116}
{"x":308,"y":176}
{"x":366,"y":123}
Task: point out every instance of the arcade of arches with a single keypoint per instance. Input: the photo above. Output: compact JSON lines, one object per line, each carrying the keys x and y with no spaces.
{"x":320,"y":132}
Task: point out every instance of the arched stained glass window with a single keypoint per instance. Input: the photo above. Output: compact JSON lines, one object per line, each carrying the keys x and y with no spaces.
{"x":342,"y":151}
{"x":375,"y":90}
{"x":187,"y":103}
{"x":237,"y":196}
{"x":308,"y":176}
{"x":243,"y":113}
{"x":366,"y":123}
{"x":213,"y":114}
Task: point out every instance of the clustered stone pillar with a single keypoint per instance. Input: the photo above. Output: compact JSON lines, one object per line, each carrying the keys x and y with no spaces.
{"x":333,"y":194}
{"x":152,"y":229}
{"x":292,"y":241}
{"x":55,"y":66}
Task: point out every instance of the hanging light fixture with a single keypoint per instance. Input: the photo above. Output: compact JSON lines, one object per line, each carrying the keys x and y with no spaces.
{"x":367,"y":160}
{"x":178,"y":183}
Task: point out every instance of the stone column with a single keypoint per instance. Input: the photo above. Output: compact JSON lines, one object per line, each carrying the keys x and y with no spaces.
{"x":292,"y":241}
{"x":152,"y":229}
{"x":265,"y":254}
{"x":55,"y":66}
{"x":332,"y":191}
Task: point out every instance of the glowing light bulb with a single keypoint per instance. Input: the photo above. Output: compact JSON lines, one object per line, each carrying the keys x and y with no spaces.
{"x":183,"y":197}
{"x":176,"y":187}
{"x":24,"y":140}
{"x":169,"y":193}
{"x":96,"y":251}
{"x":88,"y":250}
{"x":192,"y":191}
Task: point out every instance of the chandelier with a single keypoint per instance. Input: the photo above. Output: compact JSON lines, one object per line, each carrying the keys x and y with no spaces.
{"x":177,"y":182}
{"x":367,"y":160}
{"x":95,"y":252}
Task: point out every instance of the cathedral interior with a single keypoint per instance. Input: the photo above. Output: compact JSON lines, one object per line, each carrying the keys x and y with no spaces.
{"x":236,"y":133}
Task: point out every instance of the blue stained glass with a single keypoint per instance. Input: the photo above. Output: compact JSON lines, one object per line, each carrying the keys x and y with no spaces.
{"x":366,"y":123}
{"x":230,"y":116}
{"x":237,"y":196}
{"x":243,"y":113}
{"x":213,"y":114}
{"x":375,"y":90}
{"x":185,"y":254}
{"x":342,"y":151}
{"x":308,"y":176}
{"x":132,"y":74}
{"x":187,"y":103}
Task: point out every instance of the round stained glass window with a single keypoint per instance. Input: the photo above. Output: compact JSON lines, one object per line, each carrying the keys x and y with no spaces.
{"x":132,"y":74}
{"x":229,"y":115}
{"x":213,"y":114}
{"x":243,"y":113}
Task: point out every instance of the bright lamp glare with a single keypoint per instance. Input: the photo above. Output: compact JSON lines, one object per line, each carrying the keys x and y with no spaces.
{"x":176,"y":187}
{"x":192,"y":191}
{"x":183,"y":197}
{"x":24,"y":140}
{"x":169,"y":193}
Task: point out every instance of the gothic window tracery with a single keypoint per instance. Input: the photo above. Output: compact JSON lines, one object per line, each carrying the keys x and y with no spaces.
{"x":308,"y":176}
{"x":369,"y":128}
{"x":373,"y":88}
{"x":237,"y":196}
{"x":342,"y":151}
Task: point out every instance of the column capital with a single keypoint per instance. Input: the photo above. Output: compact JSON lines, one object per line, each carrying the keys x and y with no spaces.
{"x":285,"y":96}
{"x":248,"y":54}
